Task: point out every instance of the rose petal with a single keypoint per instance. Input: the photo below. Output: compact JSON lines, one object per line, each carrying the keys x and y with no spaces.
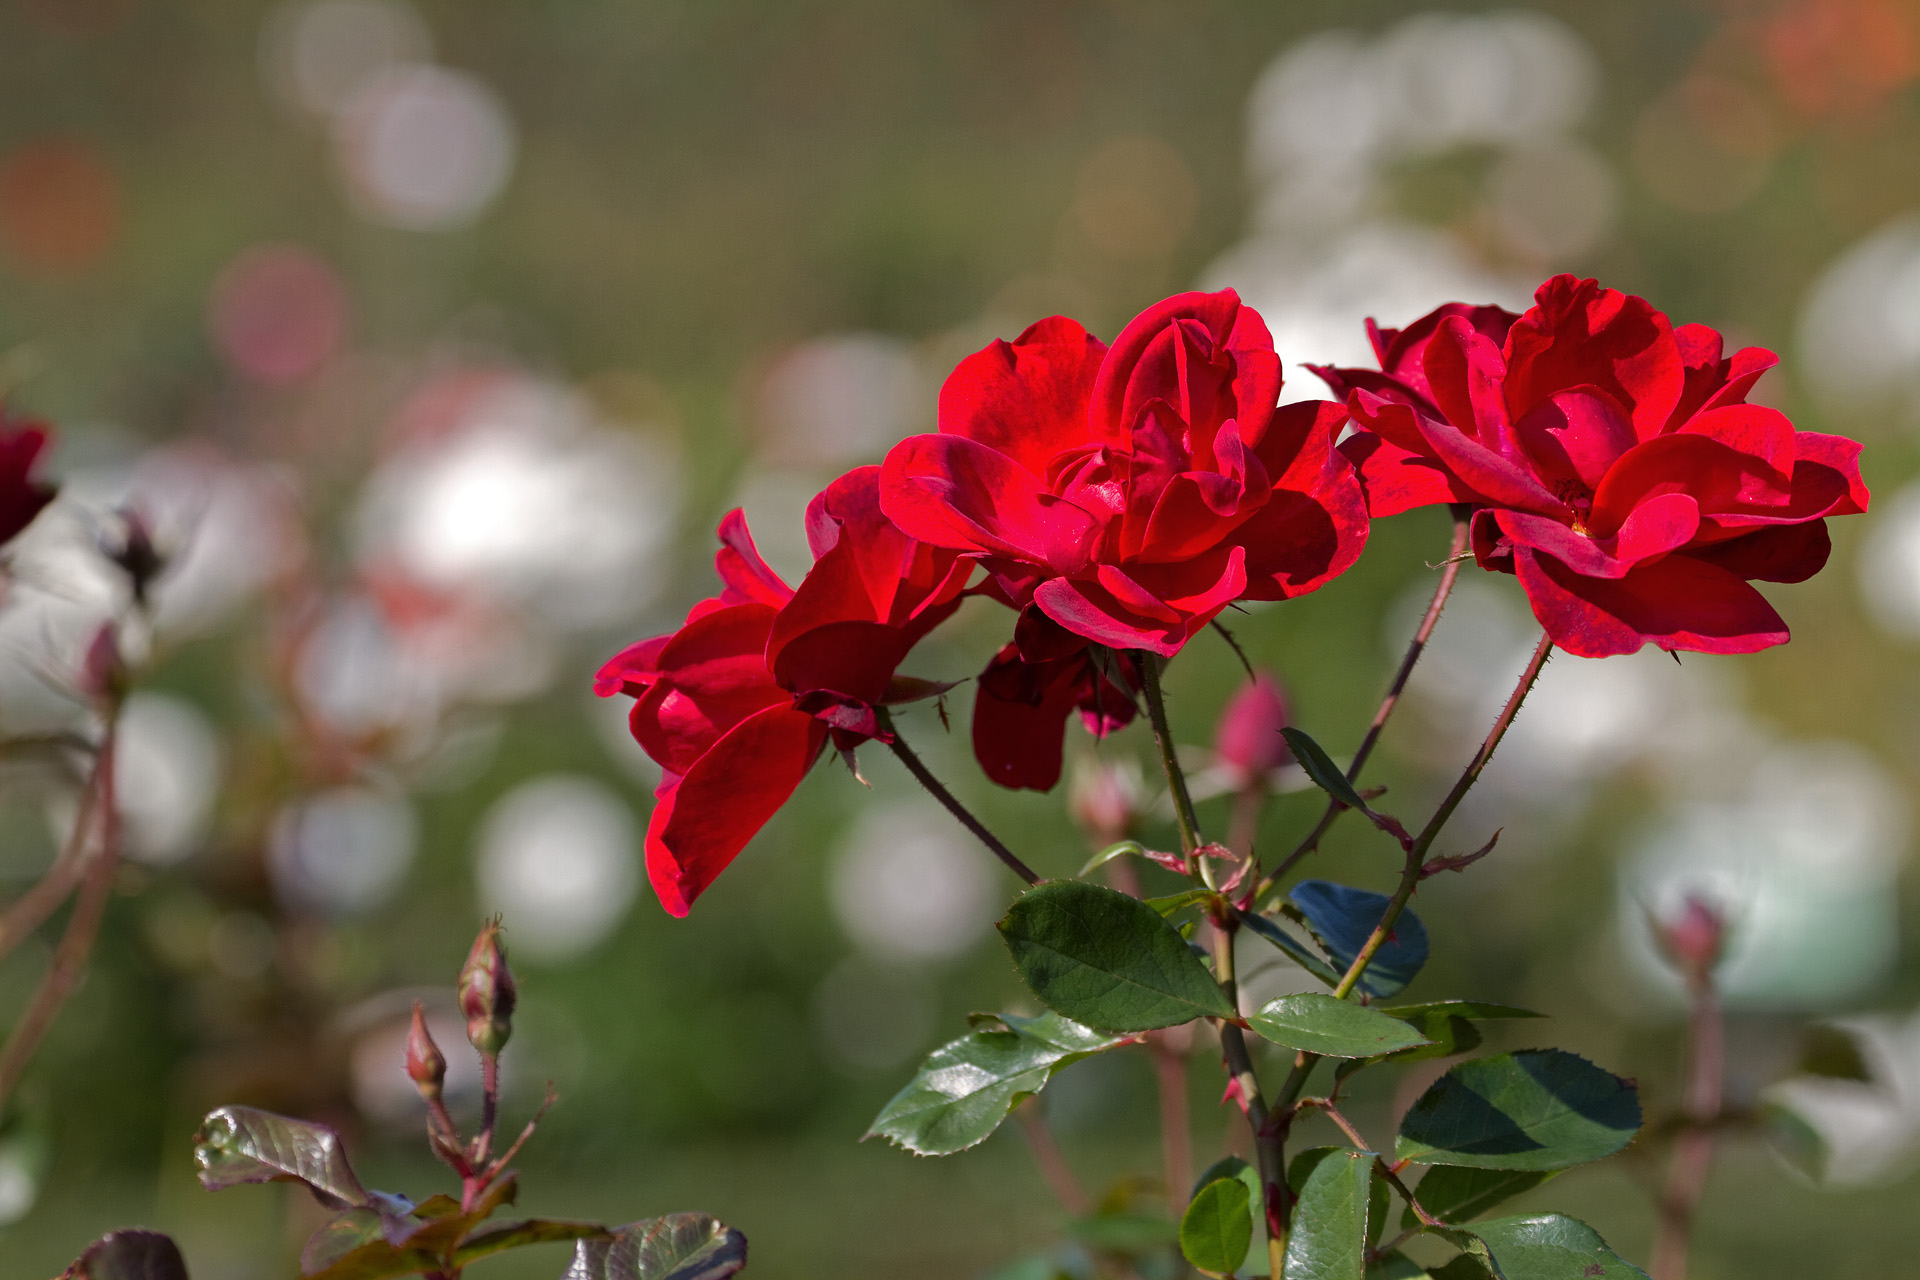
{"x":1783,"y":553}
{"x":1027,"y":398}
{"x":954,"y":492}
{"x":1676,"y":603}
{"x":1580,"y":334}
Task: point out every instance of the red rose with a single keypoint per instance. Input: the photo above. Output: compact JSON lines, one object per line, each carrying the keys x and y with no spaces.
{"x":1613,"y":462}
{"x":1030,"y":688}
{"x":21,"y":496}
{"x":738,"y":703}
{"x":1132,"y":493}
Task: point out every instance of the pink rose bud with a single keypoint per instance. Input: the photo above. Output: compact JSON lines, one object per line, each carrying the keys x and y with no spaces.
{"x":1247,"y":743}
{"x":487,"y":992}
{"x":1104,"y":799}
{"x":1694,"y":939}
{"x":425,"y":1063}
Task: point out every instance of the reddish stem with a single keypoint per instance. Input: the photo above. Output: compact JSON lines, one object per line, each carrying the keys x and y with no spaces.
{"x":1052,"y":1161}
{"x":1693,"y":1148}
{"x":1176,"y":1140}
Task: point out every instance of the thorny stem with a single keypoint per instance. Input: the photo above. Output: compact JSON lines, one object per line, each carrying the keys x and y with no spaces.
{"x":83,"y":925}
{"x":1268,"y":1142}
{"x":489,"y":1108}
{"x":1052,"y":1161}
{"x":1417,"y":852}
{"x":1693,"y":1148}
{"x":31,"y":909}
{"x":1462,"y":525}
{"x":938,"y":791}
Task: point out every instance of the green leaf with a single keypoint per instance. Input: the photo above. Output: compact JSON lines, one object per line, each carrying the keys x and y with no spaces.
{"x":1107,"y":960}
{"x":1297,"y":951}
{"x":379,"y":1261}
{"x":1480,"y":1009}
{"x":1111,"y":852}
{"x":1129,"y":1233}
{"x":680,"y":1246}
{"x":340,"y":1236}
{"x":1397,"y":1266}
{"x":1317,"y":1023}
{"x":129,"y":1255}
{"x":1547,"y":1247}
{"x":1172,"y":902}
{"x":1797,"y":1143}
{"x":1217,"y":1227}
{"x":1447,"y":1037}
{"x":966,"y":1088}
{"x":1343,"y":917}
{"x":515,"y":1235}
{"x":1833,"y":1053}
{"x":1329,"y":1240}
{"x":1461,"y":1267}
{"x":1537,"y":1109}
{"x":1327,"y":775}
{"x":244,"y":1144}
{"x":1456,"y":1194}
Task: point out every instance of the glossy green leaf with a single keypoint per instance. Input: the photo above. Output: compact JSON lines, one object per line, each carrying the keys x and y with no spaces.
{"x":516,"y":1235}
{"x":1480,"y":1009}
{"x":1129,"y":1233}
{"x":1397,"y":1266}
{"x":1317,"y":1023}
{"x":1537,"y":1109}
{"x":1454,"y":1193}
{"x":1217,"y":1227}
{"x":1797,"y":1143}
{"x":967,"y":1087}
{"x":1167,"y":904}
{"x":1329,"y":1239}
{"x":129,"y":1255}
{"x":1107,"y":960}
{"x":1319,"y":766}
{"x":1295,"y":950}
{"x":680,"y":1246}
{"x":1461,"y":1267}
{"x":1343,"y":918}
{"x":1231,"y":1167}
{"x":379,"y":1260}
{"x":237,"y":1145}
{"x":339,"y":1236}
{"x":1547,"y":1247}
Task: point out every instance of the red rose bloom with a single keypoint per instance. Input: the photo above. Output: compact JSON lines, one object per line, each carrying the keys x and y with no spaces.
{"x":738,"y":703}
{"x":21,"y":496}
{"x":1131,"y":493}
{"x":1614,"y":463}
{"x":1030,"y":689}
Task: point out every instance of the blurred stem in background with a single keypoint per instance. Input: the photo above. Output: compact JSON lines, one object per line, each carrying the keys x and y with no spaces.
{"x":1693,"y":943}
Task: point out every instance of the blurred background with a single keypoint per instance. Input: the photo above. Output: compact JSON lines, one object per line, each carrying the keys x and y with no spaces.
{"x":434,"y":338}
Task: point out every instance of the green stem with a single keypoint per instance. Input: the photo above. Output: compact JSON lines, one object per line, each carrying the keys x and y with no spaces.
{"x":1456,"y":551}
{"x":1183,"y":814}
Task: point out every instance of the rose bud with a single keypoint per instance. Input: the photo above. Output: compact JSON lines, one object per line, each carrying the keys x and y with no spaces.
{"x":425,"y":1063}
{"x":1695,"y":939}
{"x":1104,"y":799}
{"x":487,"y":993}
{"x":1247,"y":744}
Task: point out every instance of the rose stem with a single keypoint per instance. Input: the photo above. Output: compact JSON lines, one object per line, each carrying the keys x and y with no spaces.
{"x":938,"y":791}
{"x":1417,"y":852}
{"x":1233,"y":1045}
{"x":1176,"y":1143}
{"x":83,"y":926}
{"x":1693,"y":1148}
{"x":1052,"y":1161}
{"x":1449,"y":572}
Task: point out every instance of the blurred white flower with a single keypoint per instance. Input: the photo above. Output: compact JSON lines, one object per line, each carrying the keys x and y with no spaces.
{"x":1890,"y":563}
{"x":166,"y":771}
{"x":1859,"y":330}
{"x":318,"y":55}
{"x":424,"y":148}
{"x":838,"y":399}
{"x":908,"y":884}
{"x":1870,"y":1129}
{"x":341,"y":852}
{"x":557,"y":858}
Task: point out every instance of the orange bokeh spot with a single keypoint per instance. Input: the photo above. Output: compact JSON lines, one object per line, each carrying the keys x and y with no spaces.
{"x":1841,"y":57}
{"x":59,"y":205}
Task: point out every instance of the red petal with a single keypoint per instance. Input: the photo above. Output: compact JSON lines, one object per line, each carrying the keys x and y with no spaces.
{"x":1159,"y":356}
{"x":703,"y":819}
{"x":631,"y":670}
{"x":853,"y":659}
{"x":953,"y":492}
{"x":1464,"y":371}
{"x":1783,"y":553}
{"x":1395,"y":480}
{"x":1717,"y":476}
{"x":1154,"y":607}
{"x":1027,"y":398}
{"x":1580,"y":334}
{"x":748,"y":577}
{"x":1657,"y":526}
{"x":1020,"y":719}
{"x":1575,"y":436}
{"x":1676,"y":603}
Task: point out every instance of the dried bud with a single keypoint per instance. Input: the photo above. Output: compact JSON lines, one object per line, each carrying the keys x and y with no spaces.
{"x":425,"y":1063}
{"x":486,"y":992}
{"x":1247,"y":742}
{"x":1104,"y":799}
{"x":136,"y":555}
{"x":1695,"y":939}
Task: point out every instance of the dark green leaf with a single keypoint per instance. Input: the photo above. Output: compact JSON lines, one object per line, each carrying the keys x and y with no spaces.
{"x":1482,"y":1009}
{"x":1327,"y":775}
{"x":1107,"y":960}
{"x":1343,"y":918}
{"x":130,"y":1255}
{"x":1039,"y":1266}
{"x":1296,"y":950}
{"x":1547,"y":1247}
{"x":340,"y":1236}
{"x":1795,"y":1141}
{"x":1173,"y":902}
{"x":680,"y":1246}
{"x":1456,"y":1194}
{"x":1317,"y":1023}
{"x":1129,"y":1233}
{"x":1397,"y":1266}
{"x":1833,"y":1053}
{"x":514,"y":1235}
{"x":244,"y":1144}
{"x":1231,"y":1167}
{"x":1538,"y":1109}
{"x":1447,"y":1037}
{"x":966,"y":1088}
{"x":1329,"y":1240}
{"x":1461,"y":1267}
{"x":1217,"y":1227}
{"x":380,"y":1260}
